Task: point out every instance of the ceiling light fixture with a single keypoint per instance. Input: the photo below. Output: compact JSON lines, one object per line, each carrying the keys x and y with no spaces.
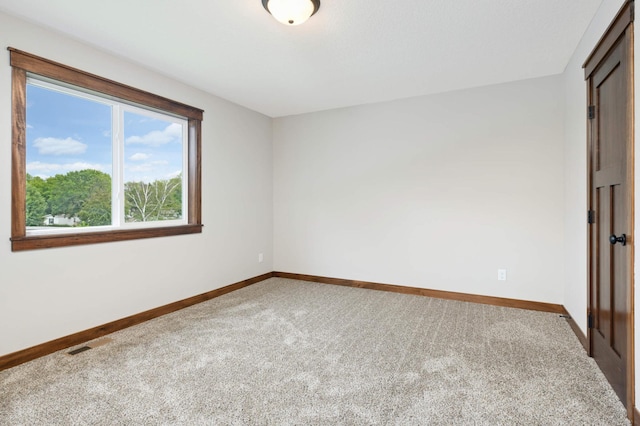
{"x":291,"y":12}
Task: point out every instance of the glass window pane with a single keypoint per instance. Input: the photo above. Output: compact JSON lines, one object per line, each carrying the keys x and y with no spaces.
{"x":68,"y":159}
{"x":153,"y":162}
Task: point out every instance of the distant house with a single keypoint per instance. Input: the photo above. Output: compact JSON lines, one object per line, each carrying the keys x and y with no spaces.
{"x":60,"y":220}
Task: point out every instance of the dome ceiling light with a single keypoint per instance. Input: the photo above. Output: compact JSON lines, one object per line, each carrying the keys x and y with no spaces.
{"x":291,"y":12}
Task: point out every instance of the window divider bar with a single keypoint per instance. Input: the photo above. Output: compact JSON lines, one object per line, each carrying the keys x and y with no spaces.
{"x":117,"y":186}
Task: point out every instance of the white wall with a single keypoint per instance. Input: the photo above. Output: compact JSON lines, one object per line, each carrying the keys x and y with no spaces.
{"x":46,"y":294}
{"x":435,"y":192}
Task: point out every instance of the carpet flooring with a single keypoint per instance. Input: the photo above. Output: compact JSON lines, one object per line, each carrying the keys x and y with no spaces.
{"x":285,"y":352}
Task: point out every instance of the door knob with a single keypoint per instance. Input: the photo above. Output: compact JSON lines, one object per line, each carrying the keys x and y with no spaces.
{"x":622,"y":239}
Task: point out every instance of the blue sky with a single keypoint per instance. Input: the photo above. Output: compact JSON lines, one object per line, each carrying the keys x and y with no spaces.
{"x":67,"y":133}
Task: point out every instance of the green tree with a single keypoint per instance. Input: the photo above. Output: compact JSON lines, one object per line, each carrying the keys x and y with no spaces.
{"x":174,"y":202}
{"x":157,"y":200}
{"x":40,"y":184}
{"x":85,"y":194}
{"x":36,"y":204}
{"x":96,"y":210}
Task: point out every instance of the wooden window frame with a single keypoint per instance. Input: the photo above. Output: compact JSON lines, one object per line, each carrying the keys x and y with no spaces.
{"x":23,"y":63}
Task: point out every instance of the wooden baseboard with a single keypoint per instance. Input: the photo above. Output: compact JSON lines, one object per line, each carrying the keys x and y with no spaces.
{"x":578,"y":332}
{"x":463,"y":297}
{"x":29,"y":354}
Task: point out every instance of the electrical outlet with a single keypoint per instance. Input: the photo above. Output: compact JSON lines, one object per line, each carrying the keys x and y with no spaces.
{"x":502,"y":274}
{"x":260,"y":257}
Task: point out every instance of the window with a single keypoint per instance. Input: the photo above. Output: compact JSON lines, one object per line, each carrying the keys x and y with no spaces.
{"x":97,"y":161}
{"x":94,"y":162}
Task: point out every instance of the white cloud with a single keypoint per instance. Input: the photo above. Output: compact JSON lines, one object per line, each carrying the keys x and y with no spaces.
{"x":49,"y":169}
{"x":145,"y":167}
{"x":173,"y":132}
{"x":139,"y":156}
{"x":153,"y":166}
{"x":150,"y":171}
{"x":55,"y":146}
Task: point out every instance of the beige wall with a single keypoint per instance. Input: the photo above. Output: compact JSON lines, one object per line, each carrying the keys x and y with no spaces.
{"x":435,"y":192}
{"x":51,"y":293}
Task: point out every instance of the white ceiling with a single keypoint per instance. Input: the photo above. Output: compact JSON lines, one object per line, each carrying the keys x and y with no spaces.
{"x":351,"y":52}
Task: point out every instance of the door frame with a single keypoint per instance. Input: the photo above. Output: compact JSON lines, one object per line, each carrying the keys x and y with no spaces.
{"x":622,"y":23}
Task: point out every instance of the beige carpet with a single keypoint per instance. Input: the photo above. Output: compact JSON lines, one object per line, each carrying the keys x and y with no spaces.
{"x":286,"y":352}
